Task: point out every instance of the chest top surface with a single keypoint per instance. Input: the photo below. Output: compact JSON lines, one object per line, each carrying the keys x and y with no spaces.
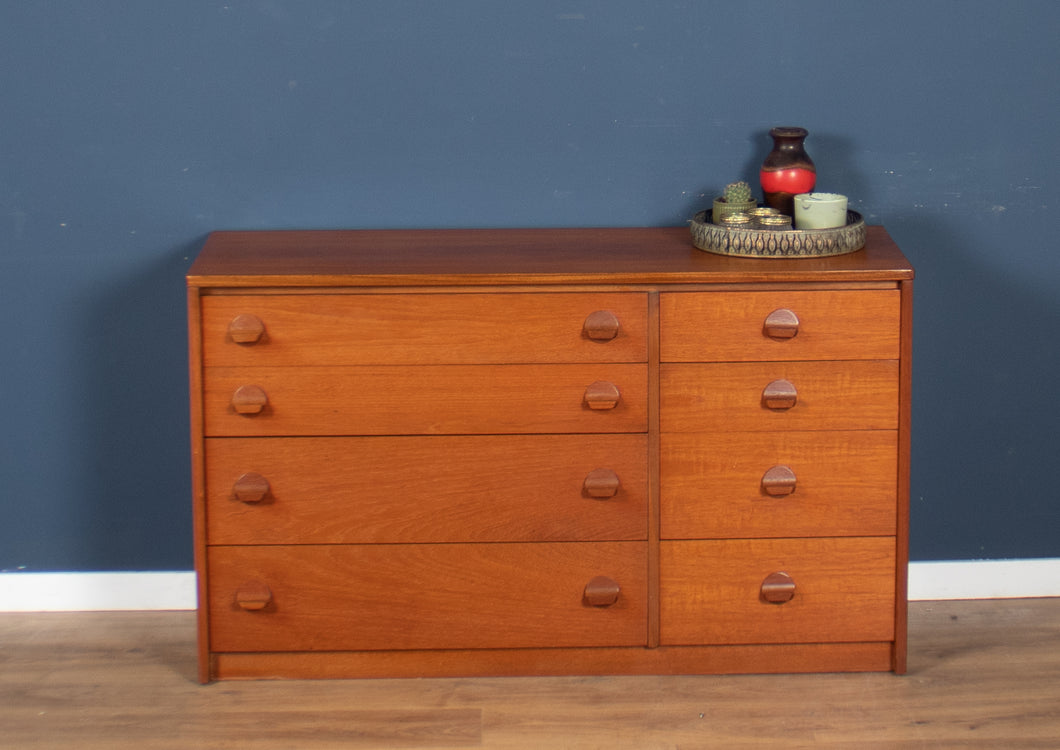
{"x":502,"y":257}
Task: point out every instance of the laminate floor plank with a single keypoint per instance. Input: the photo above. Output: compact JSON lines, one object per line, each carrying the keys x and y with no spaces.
{"x":982,"y":674}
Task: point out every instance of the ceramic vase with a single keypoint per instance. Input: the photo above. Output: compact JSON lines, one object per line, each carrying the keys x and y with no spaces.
{"x":788,"y":170}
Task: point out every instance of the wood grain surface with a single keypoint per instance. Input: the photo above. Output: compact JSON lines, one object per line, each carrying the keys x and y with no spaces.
{"x":859,"y":395}
{"x":330,"y":329}
{"x":710,"y":590}
{"x":427,"y":596}
{"x":444,"y":453}
{"x":982,"y":674}
{"x":484,"y":257}
{"x":711,"y":484}
{"x":441,"y":488}
{"x":425,"y":399}
{"x":729,"y":326}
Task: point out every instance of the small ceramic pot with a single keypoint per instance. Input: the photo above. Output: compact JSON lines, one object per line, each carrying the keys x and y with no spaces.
{"x":820,"y":211}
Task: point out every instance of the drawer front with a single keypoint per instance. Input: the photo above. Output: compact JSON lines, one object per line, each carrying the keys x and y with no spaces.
{"x":445,"y":399}
{"x":736,"y":396}
{"x":369,"y":597}
{"x":426,"y":489}
{"x":313,"y":329}
{"x":785,"y":484}
{"x":712,"y":591}
{"x":753,"y":326}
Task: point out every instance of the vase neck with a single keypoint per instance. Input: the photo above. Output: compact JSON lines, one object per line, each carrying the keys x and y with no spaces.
{"x":788,"y":139}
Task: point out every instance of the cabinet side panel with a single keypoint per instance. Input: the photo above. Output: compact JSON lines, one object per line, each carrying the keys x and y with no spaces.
{"x":904,"y":442}
{"x":654,"y":473}
{"x":198,"y":473}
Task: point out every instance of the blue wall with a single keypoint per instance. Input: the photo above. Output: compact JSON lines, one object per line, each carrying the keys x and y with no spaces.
{"x":128,"y":130}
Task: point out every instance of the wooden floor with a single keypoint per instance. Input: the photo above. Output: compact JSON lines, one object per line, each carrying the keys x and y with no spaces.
{"x":981,"y":675}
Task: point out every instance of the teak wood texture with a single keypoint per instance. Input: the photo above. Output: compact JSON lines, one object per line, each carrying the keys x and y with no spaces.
{"x":453,"y":488}
{"x":571,"y":451}
{"x":427,"y":596}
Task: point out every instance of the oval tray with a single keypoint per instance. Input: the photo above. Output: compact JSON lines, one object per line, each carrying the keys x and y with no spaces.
{"x":791,"y":243}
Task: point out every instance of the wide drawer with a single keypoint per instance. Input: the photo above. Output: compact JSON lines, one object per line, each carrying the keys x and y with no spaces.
{"x":717,"y":591}
{"x":431,"y":596}
{"x":333,"y":329}
{"x":795,"y":325}
{"x":783,"y":484}
{"x":443,"y":399}
{"x":426,"y":489}
{"x":753,"y":396}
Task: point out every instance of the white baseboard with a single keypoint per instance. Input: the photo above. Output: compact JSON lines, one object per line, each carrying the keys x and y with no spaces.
{"x":984,"y":579}
{"x":87,"y":592}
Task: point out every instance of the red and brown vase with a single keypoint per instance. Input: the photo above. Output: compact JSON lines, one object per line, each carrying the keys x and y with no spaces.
{"x":788,"y":170}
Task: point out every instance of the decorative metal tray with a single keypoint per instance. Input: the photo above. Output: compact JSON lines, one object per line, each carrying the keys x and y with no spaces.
{"x":790,"y":243}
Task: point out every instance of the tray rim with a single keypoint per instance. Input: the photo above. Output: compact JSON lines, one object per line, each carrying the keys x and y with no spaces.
{"x":806,"y":243}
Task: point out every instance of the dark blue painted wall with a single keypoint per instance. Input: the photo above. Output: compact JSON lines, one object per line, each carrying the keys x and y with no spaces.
{"x":128,"y":130}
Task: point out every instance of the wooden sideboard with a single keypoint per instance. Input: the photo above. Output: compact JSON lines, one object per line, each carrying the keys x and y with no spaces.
{"x":546,"y":451}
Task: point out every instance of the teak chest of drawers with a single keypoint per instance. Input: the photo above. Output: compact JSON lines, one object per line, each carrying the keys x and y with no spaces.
{"x":549,"y":451}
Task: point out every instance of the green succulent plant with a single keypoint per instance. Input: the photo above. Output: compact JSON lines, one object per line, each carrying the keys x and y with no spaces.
{"x":737,"y":192}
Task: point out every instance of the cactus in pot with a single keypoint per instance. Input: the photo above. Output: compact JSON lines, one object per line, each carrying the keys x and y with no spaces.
{"x":735,"y":199}
{"x":737,"y":192}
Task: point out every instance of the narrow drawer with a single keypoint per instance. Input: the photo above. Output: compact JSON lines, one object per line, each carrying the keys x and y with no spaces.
{"x":784,"y":484}
{"x":444,"y":399}
{"x":369,"y":597}
{"x":716,"y":591}
{"x":426,"y":489}
{"x":754,"y":326}
{"x":335,"y":329}
{"x":752,"y":396}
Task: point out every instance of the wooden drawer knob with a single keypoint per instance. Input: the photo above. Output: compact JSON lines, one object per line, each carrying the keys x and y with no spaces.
{"x":780,"y":394}
{"x":253,"y":596}
{"x":249,"y":399}
{"x":601,"y":483}
{"x":601,"y":325}
{"x":779,"y":481}
{"x":778,"y":588}
{"x":602,"y":395}
{"x":781,"y":324}
{"x":601,"y":591}
{"x":246,"y":329}
{"x":250,"y":488}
